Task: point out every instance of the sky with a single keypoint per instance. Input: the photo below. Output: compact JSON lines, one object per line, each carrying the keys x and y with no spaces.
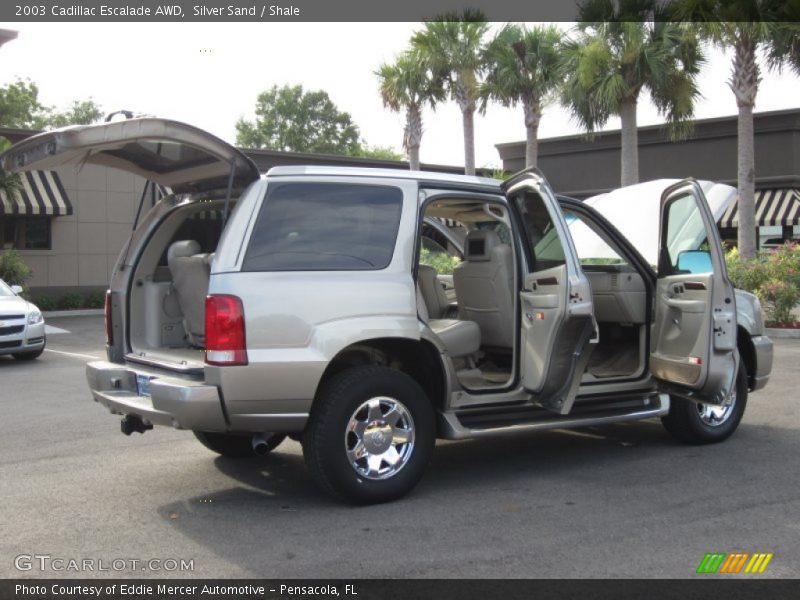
{"x":209,"y":75}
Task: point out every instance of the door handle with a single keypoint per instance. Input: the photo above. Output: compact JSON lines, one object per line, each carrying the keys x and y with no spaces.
{"x":688,"y":306}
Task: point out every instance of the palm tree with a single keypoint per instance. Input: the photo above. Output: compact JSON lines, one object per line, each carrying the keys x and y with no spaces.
{"x":452,"y":48}
{"x":748,"y":27}
{"x":524,"y":67}
{"x":409,"y":84}
{"x":613,"y":60}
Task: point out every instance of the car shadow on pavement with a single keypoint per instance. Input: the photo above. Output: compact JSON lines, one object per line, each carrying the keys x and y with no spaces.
{"x":273,"y":498}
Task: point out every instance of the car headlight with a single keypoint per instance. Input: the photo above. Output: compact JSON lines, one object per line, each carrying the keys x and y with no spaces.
{"x":35,"y":317}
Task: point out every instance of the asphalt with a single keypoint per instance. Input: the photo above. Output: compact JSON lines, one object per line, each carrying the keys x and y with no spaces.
{"x":617,"y":501}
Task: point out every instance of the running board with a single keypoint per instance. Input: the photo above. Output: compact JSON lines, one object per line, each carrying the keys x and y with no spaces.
{"x":452,"y":428}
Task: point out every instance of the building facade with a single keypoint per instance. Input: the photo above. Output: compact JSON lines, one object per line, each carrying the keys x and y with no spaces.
{"x":582,"y":166}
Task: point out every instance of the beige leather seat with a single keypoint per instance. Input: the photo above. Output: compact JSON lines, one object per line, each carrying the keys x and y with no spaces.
{"x":484,"y":284}
{"x":460,"y":338}
{"x":432,"y":292}
{"x":190,"y":273}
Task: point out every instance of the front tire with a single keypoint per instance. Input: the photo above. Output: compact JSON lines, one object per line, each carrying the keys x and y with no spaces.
{"x":370,"y":436}
{"x":694,"y":423}
{"x":232,"y":445}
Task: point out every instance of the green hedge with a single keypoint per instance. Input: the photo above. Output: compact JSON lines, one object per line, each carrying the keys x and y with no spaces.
{"x":773,"y":276}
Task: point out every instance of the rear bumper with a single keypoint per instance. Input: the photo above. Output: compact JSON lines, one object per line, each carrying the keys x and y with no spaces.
{"x":174,"y":401}
{"x":763,"y":347}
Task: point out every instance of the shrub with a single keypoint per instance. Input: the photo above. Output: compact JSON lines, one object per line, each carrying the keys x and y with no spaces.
{"x":70,"y":301}
{"x":44,"y":302}
{"x":774,"y":276}
{"x":443,"y":263}
{"x":779,"y":298}
{"x":13,"y":269}
{"x":94,"y":300}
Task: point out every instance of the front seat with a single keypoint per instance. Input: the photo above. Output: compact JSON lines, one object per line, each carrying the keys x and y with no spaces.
{"x":484,"y":284}
{"x":190,"y":274}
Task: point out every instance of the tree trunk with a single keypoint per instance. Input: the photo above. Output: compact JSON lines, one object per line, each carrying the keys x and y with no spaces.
{"x":413,"y":158}
{"x":629,"y":151}
{"x":747,"y":183}
{"x":413,"y":135}
{"x":467,"y":105}
{"x":469,"y":141}
{"x":744,"y":83}
{"x":533,"y":115}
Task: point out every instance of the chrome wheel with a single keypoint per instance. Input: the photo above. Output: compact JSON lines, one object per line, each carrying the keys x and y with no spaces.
{"x":713,"y":415}
{"x":379,"y":438}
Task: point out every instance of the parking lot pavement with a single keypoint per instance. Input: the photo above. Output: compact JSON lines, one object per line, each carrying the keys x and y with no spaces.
{"x":619,"y":501}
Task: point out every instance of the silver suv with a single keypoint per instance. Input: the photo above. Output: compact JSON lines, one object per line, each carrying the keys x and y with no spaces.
{"x":368,"y":312}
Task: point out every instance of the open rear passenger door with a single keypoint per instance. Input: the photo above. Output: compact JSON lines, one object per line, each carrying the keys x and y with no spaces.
{"x":557,"y":325}
{"x":693,"y":344}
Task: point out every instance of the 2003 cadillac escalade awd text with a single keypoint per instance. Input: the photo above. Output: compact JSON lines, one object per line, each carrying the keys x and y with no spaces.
{"x":249,"y":308}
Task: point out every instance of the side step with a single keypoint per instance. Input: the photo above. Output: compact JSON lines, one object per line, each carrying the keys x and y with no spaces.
{"x":486,"y":423}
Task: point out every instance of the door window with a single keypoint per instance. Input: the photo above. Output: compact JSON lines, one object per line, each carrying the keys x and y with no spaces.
{"x":543,"y":244}
{"x":686,"y":250}
{"x":594,"y":250}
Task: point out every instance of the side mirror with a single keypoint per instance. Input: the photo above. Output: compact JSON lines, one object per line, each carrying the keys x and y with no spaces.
{"x":695,"y":262}
{"x":17,"y":289}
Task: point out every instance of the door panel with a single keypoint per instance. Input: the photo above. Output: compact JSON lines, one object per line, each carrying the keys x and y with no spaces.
{"x":555,"y":302}
{"x":693,"y":346}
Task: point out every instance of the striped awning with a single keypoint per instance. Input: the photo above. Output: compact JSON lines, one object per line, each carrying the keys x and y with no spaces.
{"x":773,"y":207}
{"x":40,"y":194}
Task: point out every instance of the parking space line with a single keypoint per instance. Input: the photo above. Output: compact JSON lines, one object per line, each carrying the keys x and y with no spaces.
{"x":76,"y":354}
{"x":52,"y":330}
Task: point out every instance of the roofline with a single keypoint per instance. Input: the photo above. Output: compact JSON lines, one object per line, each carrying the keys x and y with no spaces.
{"x":595,"y":136}
{"x":427,"y":176}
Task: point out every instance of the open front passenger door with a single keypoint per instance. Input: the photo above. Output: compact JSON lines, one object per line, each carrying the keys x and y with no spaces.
{"x":555,"y":302}
{"x":693,"y":345}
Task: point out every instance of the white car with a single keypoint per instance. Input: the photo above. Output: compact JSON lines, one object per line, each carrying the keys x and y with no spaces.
{"x":21,"y":325}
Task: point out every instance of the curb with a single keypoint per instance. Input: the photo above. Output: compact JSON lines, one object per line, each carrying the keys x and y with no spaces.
{"x":87,"y":312}
{"x":782,"y":334}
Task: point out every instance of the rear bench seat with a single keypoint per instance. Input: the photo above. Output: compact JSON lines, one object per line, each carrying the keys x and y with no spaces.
{"x":460,"y":338}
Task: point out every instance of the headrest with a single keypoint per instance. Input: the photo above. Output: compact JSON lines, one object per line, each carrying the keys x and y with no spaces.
{"x":182,"y":249}
{"x":479,"y":244}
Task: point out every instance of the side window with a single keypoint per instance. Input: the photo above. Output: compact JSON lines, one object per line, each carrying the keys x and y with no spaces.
{"x":544,"y":247}
{"x":592,"y":248}
{"x":325,"y":227}
{"x":686,"y":249}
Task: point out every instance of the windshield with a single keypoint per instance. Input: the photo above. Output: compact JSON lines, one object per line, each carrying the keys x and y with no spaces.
{"x":5,"y":290}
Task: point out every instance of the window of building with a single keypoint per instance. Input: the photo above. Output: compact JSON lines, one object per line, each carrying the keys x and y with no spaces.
{"x":25,"y":233}
{"x":325,"y":227}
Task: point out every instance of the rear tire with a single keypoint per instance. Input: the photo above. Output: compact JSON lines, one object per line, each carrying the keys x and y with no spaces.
{"x":370,"y":436}
{"x":233,"y":445}
{"x":694,"y":423}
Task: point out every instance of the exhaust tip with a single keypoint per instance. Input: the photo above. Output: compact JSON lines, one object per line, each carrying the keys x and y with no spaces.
{"x":260,"y":446}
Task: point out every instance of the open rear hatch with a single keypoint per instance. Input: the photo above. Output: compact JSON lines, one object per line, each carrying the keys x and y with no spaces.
{"x":169,"y":153}
{"x":191,"y":162}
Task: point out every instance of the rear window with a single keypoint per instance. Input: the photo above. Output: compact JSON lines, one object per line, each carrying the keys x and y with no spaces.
{"x":325,"y":227}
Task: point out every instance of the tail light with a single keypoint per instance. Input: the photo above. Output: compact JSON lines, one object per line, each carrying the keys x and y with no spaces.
{"x":109,"y":324}
{"x":225,"y":339}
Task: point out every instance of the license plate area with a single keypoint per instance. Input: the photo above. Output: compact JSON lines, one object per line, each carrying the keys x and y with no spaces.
{"x":143,"y":385}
